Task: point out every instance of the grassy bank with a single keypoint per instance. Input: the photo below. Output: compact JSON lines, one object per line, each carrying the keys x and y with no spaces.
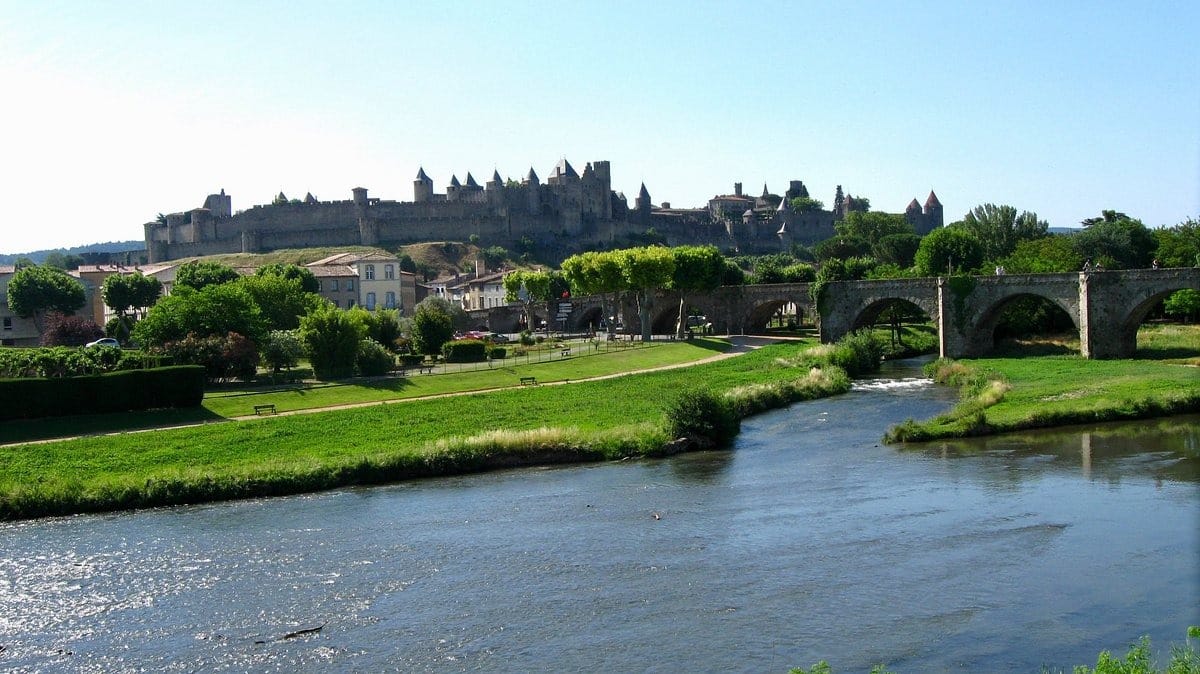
{"x":1012,"y":394}
{"x":532,"y":425}
{"x":231,"y":402}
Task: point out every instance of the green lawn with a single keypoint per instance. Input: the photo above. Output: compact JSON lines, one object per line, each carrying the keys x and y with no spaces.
{"x":351,"y":446}
{"x":1011,"y":393}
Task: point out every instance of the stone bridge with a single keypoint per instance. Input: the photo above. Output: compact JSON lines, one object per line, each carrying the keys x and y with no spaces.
{"x":1106,"y":307}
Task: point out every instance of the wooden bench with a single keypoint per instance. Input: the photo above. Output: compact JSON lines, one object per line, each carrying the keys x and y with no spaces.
{"x":528,"y":381}
{"x":425,"y":368}
{"x":264,"y":409}
{"x":566,"y":352}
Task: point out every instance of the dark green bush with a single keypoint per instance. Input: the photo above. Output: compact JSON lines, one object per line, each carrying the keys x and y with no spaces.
{"x":127,"y":390}
{"x":857,"y":353}
{"x":373,"y":359}
{"x":702,"y":415}
{"x":498,"y":353}
{"x":465,"y":351}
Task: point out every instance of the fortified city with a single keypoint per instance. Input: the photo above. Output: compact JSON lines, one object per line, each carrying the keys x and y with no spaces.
{"x":569,"y":212}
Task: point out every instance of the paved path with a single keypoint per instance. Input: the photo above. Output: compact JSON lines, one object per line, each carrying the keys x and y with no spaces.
{"x":739,"y":344}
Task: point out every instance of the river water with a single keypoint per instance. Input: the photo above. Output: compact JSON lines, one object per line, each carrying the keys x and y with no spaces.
{"x":808,"y":541}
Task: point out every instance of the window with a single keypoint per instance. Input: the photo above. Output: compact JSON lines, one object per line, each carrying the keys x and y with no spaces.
{"x":333,"y":285}
{"x":371,"y":301}
{"x":370,"y":272}
{"x":389,"y":300}
{"x":349,"y":284}
{"x":7,"y":323}
{"x":389,"y":272}
{"x":320,"y":285}
{"x":349,"y":304}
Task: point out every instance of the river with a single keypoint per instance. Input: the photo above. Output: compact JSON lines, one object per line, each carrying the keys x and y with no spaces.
{"x":809,"y":540}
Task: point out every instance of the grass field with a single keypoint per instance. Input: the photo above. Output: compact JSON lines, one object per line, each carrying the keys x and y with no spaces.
{"x":1010,"y":393}
{"x":275,"y":455}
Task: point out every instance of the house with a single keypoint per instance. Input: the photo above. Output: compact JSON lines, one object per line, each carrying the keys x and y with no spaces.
{"x":375,"y":281}
{"x":14,"y":330}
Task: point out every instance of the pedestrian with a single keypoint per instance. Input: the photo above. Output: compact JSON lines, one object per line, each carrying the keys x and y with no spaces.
{"x":1087,"y":264}
{"x":1154,"y":264}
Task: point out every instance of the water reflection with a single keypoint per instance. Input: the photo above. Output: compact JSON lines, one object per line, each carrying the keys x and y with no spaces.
{"x":1162,"y":449}
{"x":702,"y":467}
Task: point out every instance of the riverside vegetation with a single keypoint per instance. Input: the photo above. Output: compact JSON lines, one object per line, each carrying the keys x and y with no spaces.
{"x":1012,"y":394}
{"x":586,"y":421}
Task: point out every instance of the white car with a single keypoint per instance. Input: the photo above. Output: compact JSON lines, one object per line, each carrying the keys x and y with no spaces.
{"x":104,"y":341}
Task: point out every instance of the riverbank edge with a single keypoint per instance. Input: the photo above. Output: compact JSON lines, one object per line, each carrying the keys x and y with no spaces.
{"x":983,"y":390}
{"x":487,"y":451}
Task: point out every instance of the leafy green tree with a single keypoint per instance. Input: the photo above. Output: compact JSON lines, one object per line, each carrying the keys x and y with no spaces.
{"x":596,"y":273}
{"x":1117,"y":241}
{"x":281,"y":349}
{"x":528,"y":288}
{"x":948,"y":250}
{"x":214,"y":310}
{"x":1179,"y":246}
{"x":494,"y":256}
{"x":308,"y":282}
{"x":331,"y":338}
{"x":60,"y":260}
{"x":125,"y":292}
{"x":871,"y":227}
{"x":697,"y":269}
{"x":999,"y":228}
{"x":197,"y":274}
{"x":281,"y":300}
{"x":805,"y":204}
{"x":841,"y":247}
{"x":859,"y":204}
{"x":733,"y":274}
{"x":645,"y":270}
{"x":800,"y":272}
{"x":1184,"y":304}
{"x":897,"y":249}
{"x":383,"y":325}
{"x":1048,"y":255}
{"x":35,"y":291}
{"x":432,"y":325}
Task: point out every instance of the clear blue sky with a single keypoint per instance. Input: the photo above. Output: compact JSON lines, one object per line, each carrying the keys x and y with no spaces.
{"x":115,"y":112}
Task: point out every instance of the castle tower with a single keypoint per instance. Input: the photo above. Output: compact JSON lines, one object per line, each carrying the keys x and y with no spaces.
{"x":368,"y":230}
{"x":642,"y":204}
{"x":494,"y":189}
{"x":533,"y":192}
{"x":471,"y":191}
{"x":453,"y":188}
{"x":737,"y":189}
{"x":422,"y":187}
{"x":604,"y":178}
{"x":220,"y":205}
{"x":912,"y":214}
{"x":933,"y":213}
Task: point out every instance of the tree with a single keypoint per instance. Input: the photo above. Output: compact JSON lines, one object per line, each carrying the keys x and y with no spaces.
{"x":125,"y":292}
{"x":1179,"y":246}
{"x":1183,"y":303}
{"x":841,"y":248}
{"x":308,"y":282}
{"x":999,"y":228}
{"x":214,"y":310}
{"x":281,"y":349}
{"x":948,"y":250}
{"x":331,"y":338}
{"x":697,"y":269}
{"x":281,"y":300}
{"x":63,"y":330}
{"x":383,"y":325}
{"x":1048,"y":255}
{"x":197,"y":274}
{"x":432,"y":325}
{"x":528,"y":288}
{"x":646,"y":270}
{"x":871,"y":227}
{"x":36,"y":291}
{"x":805,"y":204}
{"x":897,"y":249}
{"x":1116,"y":241}
{"x":599,"y":274}
{"x":60,"y":260}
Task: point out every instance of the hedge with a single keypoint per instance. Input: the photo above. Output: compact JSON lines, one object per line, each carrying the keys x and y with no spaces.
{"x":127,"y":390}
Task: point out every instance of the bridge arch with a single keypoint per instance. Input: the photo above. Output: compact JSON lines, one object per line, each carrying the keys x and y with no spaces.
{"x":987,"y":319}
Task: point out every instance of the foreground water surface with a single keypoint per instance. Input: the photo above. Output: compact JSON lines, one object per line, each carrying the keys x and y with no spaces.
{"x":808,"y":541}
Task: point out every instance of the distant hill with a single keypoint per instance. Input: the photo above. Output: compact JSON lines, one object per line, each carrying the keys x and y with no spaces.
{"x":39,"y":256}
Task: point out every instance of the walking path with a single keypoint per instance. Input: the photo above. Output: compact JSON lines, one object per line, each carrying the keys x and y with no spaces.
{"x":739,"y":344}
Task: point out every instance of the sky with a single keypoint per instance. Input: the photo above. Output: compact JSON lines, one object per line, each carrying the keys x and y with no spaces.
{"x":111,"y":113}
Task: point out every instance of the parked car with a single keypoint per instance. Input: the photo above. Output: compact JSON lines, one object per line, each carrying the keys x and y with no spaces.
{"x":497,"y":338}
{"x":104,"y":341}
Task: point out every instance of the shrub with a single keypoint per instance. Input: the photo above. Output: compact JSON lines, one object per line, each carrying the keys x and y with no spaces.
{"x":64,"y":330}
{"x":231,"y":356}
{"x":372,"y":359}
{"x":465,"y":351}
{"x":526,"y":338}
{"x":702,"y":415}
{"x":498,"y":353}
{"x":331,"y":338}
{"x":857,"y":353}
{"x":282,"y":350}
